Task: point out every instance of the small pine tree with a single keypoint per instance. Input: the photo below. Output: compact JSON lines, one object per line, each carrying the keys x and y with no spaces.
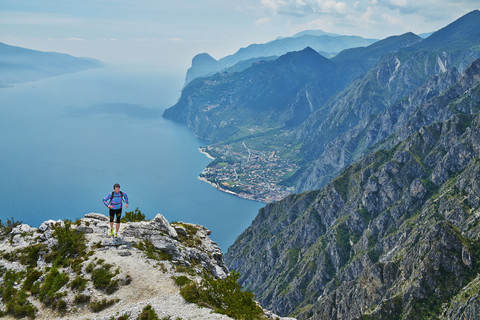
{"x":133,"y":216}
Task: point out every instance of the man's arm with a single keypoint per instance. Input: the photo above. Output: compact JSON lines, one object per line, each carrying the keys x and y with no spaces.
{"x":126,"y":200}
{"x":108,"y":197}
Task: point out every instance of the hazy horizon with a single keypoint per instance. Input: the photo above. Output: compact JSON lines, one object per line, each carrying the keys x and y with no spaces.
{"x":169,"y":34}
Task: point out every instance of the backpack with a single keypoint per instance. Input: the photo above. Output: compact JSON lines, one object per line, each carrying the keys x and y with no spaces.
{"x":113,"y":192}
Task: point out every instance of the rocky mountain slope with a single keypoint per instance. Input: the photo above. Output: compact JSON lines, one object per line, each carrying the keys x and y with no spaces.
{"x":396,"y":235}
{"x":74,"y":270}
{"x":19,"y":65}
{"x":402,"y":119}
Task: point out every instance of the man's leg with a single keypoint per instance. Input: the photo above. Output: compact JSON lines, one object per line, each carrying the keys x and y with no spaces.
{"x":119,"y":213}
{"x":112,"y":214}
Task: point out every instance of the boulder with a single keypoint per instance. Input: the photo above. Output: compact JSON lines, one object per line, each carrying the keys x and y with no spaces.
{"x":49,"y":224}
{"x":162,"y":223}
{"x":97,"y":216}
{"x":23,"y":228}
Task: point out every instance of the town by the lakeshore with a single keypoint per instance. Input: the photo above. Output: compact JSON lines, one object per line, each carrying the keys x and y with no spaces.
{"x":252,"y":175}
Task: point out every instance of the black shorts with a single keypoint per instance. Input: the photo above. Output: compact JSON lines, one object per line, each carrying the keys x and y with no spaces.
{"x":117,"y":212}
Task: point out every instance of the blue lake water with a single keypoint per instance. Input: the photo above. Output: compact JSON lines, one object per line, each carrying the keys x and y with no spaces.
{"x":66,"y":140}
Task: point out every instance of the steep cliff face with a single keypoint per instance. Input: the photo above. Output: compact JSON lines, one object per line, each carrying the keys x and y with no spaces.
{"x":395,"y":235}
{"x":403,"y":118}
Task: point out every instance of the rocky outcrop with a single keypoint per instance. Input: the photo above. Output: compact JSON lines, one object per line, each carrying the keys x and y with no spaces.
{"x":94,"y":270}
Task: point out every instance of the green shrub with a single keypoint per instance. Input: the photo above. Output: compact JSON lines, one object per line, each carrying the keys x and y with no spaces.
{"x":225,"y":296}
{"x":71,"y":245}
{"x":81,"y":299}
{"x":181,"y":280}
{"x":148,"y":314}
{"x":185,"y":269}
{"x":5,"y":229}
{"x":15,"y":301}
{"x":30,"y":255}
{"x":33,"y":275}
{"x":27,"y":256}
{"x":190,"y":293}
{"x":89,"y":268}
{"x":48,"y":291}
{"x":78,"y":283}
{"x":133,"y":216}
{"x":102,"y":279}
{"x":19,"y":307}
{"x":60,"y":305}
{"x":152,"y":252}
{"x":97,"y":306}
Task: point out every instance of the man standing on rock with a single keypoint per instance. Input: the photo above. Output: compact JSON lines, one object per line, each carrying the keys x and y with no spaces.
{"x":114,"y":202}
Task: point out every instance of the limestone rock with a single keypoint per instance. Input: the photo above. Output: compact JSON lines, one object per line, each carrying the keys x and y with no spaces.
{"x":97,"y":216}
{"x":23,"y":228}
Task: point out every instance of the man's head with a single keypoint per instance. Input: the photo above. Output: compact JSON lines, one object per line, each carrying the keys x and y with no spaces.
{"x":116,"y":187}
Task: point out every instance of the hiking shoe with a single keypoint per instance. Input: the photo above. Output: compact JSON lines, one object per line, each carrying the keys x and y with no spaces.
{"x":116,"y":235}
{"x":111,"y":232}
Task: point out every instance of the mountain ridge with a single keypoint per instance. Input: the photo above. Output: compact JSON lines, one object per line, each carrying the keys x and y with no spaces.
{"x":324,"y":44}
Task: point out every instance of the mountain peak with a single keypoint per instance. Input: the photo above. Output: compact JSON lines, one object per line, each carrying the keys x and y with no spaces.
{"x":306,"y":55}
{"x":462,"y":28}
{"x":317,"y":32}
{"x":203,"y":58}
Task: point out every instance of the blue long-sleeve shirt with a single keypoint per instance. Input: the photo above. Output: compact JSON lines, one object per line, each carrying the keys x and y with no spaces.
{"x":116,"y":200}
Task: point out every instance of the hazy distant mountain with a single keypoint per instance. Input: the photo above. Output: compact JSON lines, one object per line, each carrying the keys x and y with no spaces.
{"x":316,"y":33}
{"x":19,"y":65}
{"x":274,"y":94}
{"x":326,"y":44}
{"x":269,"y":94}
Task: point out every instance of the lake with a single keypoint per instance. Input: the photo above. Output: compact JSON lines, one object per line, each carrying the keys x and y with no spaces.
{"x":66,"y":140}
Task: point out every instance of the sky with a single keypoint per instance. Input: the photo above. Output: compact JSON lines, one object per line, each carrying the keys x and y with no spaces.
{"x":168,"y":33}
